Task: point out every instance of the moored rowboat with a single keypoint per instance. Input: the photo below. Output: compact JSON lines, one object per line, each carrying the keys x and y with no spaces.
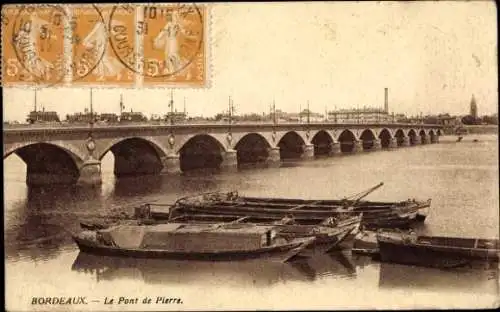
{"x":435,"y":251}
{"x":375,"y":214}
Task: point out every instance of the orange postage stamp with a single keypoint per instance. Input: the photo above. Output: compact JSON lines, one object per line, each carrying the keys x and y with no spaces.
{"x":33,"y":44}
{"x":173,"y":44}
{"x":170,"y":40}
{"x":129,"y":45}
{"x":94,"y":60}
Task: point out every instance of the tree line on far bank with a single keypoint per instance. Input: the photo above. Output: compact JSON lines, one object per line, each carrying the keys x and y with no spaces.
{"x":484,"y":120}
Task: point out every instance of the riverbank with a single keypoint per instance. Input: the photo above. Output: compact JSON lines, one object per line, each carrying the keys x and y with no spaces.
{"x":474,"y":129}
{"x":482,"y":129}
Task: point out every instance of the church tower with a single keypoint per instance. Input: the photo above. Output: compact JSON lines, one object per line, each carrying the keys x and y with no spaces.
{"x":473,"y":107}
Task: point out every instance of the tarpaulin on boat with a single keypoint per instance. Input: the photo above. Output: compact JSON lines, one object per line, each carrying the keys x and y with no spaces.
{"x":205,"y":238}
{"x":125,"y":236}
{"x":182,"y":237}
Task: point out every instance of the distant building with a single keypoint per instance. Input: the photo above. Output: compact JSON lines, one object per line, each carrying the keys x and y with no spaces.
{"x":85,"y":117}
{"x":282,"y":116}
{"x":400,"y":118}
{"x":313,"y":117}
{"x":108,"y":117}
{"x":176,"y":116}
{"x":448,"y":121}
{"x":363,"y":115}
{"x":132,"y":117}
{"x":42,"y":117}
{"x":473,"y":107}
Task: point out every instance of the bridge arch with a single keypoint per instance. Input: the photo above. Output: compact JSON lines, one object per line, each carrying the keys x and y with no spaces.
{"x":252,"y":148}
{"x":135,"y":156}
{"x":77,"y":154}
{"x":347,"y":141}
{"x":385,"y":138}
{"x":412,"y":136}
{"x":423,"y":136}
{"x":291,"y":145}
{"x":158,"y":147}
{"x":48,"y":163}
{"x":400,"y":137}
{"x":368,"y":138}
{"x":322,"y":141}
{"x":201,"y":151}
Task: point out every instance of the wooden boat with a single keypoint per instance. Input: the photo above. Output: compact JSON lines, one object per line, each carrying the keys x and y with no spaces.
{"x":365,"y":242}
{"x":330,"y":233}
{"x":375,"y":214}
{"x":192,"y":242}
{"x":435,"y":251}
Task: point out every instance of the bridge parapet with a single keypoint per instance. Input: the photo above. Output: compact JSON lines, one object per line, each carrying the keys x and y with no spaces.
{"x":151,"y":149}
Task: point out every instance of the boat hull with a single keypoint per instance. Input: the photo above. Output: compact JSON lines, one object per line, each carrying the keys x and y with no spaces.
{"x":386,"y":219}
{"x":280,"y":253}
{"x":431,"y":256}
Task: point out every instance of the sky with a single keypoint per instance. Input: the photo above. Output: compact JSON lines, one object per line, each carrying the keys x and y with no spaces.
{"x":432,"y":56}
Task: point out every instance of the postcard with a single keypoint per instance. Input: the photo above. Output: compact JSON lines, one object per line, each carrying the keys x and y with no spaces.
{"x":250,"y":156}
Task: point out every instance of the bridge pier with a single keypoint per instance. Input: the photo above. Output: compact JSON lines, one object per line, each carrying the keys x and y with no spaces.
{"x":308,"y":152}
{"x":358,"y":146}
{"x":171,"y":164}
{"x":334,"y":149}
{"x":425,"y":139}
{"x":47,"y":179}
{"x":417,"y":140}
{"x":406,"y":141}
{"x":435,"y":139}
{"x":229,"y":160}
{"x":393,"y":143}
{"x":90,"y":173}
{"x":274,"y":156}
{"x":377,"y":144}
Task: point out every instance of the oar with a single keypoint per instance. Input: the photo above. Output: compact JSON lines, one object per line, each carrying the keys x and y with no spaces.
{"x":364,"y":194}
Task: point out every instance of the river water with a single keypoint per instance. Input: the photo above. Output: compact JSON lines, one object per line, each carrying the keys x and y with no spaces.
{"x":461,"y":178}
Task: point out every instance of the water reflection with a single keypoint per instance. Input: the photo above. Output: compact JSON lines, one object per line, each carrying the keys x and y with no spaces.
{"x":48,"y":195}
{"x":259,"y":273}
{"x":33,"y":234}
{"x":335,"y":264}
{"x":479,"y":276}
{"x":37,"y":221}
{"x":138,"y":186}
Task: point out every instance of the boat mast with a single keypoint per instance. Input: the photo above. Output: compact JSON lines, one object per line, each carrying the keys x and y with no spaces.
{"x":91,"y":110}
{"x":121,"y":104}
{"x":230,"y":113}
{"x":35,"y":99}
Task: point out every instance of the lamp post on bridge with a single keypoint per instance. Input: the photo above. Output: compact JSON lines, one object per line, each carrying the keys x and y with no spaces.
{"x":273,"y":111}
{"x":91,"y":111}
{"x":230,"y":112}
{"x":90,"y":140}
{"x":171,"y":106}
{"x":308,"y":114}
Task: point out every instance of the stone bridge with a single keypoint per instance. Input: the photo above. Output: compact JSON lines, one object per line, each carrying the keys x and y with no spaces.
{"x":71,"y":155}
